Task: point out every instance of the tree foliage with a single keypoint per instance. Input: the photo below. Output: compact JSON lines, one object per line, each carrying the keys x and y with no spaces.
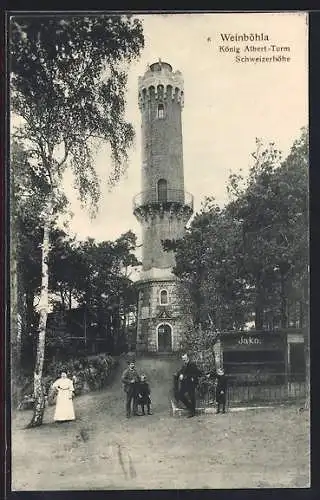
{"x":91,"y":273}
{"x":249,"y":259}
{"x":68,"y":85}
{"x":69,"y":82}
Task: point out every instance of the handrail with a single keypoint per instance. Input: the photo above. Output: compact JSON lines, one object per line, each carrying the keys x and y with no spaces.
{"x":168,"y":196}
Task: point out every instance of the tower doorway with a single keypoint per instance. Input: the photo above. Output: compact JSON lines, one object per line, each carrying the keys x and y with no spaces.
{"x":162,"y":191}
{"x":164,"y":338}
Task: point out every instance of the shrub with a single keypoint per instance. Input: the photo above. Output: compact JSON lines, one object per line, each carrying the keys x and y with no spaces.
{"x":88,"y":374}
{"x":199,"y":343}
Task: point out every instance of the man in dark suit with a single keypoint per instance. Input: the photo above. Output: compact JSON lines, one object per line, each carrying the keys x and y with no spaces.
{"x":130,"y":379}
{"x":187,"y":378}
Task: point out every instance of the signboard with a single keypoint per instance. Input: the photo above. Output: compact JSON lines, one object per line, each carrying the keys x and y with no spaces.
{"x":295,"y":338}
{"x":249,"y":340}
{"x":252,"y":341}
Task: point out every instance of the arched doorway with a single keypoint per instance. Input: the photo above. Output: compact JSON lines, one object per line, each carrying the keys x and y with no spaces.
{"x":164,"y":337}
{"x":162,"y":191}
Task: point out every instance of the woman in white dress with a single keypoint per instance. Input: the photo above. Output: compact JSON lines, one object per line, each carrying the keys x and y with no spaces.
{"x":64,"y":406}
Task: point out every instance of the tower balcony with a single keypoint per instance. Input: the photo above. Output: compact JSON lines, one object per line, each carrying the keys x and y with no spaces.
{"x":150,"y":204}
{"x":167,"y":198}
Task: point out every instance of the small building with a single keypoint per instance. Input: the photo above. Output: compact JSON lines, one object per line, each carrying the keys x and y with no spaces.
{"x":263,"y":356}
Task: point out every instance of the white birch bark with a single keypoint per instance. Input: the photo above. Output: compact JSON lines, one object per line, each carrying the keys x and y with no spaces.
{"x":43,"y":308}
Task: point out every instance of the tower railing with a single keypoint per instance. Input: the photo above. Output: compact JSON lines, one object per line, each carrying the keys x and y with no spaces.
{"x":169,"y":196}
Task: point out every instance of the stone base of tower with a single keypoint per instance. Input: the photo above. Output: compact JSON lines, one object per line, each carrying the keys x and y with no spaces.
{"x":162,"y":321}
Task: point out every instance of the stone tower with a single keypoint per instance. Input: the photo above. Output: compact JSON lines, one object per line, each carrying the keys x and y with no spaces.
{"x":163,"y":207}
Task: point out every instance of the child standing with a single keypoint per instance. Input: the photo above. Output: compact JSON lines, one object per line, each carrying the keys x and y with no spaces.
{"x":221,"y":390}
{"x":144,"y":395}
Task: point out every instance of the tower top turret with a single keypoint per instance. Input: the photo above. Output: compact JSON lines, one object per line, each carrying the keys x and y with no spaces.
{"x":160,"y":78}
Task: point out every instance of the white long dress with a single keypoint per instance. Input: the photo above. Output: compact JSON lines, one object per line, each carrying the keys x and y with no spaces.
{"x":64,"y":405}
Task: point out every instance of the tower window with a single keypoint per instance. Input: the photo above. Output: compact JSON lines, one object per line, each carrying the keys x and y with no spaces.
{"x":162,"y":191}
{"x":164,"y":297}
{"x":160,"y":111}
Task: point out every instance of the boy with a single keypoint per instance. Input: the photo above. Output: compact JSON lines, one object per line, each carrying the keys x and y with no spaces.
{"x":130,"y":380}
{"x":144,"y":395}
{"x":221,"y":390}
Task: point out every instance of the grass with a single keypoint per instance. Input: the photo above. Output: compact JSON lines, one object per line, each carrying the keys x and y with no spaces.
{"x":103,"y":450}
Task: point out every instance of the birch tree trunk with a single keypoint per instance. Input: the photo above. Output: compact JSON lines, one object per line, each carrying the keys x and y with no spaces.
{"x":39,"y":403}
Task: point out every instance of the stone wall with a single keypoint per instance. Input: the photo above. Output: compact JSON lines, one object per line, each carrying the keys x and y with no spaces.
{"x":158,"y":227}
{"x":162,"y":150}
{"x":152,"y":314}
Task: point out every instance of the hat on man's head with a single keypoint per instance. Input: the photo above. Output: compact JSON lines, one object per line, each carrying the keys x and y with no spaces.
{"x":131,"y":358}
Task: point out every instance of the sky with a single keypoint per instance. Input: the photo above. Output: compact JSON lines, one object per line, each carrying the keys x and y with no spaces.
{"x":227,"y":105}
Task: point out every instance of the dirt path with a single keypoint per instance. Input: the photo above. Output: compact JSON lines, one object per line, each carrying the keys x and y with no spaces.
{"x":104,"y":450}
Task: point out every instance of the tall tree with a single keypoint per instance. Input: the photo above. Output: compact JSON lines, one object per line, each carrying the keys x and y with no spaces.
{"x":66,"y":266}
{"x":208,"y":261}
{"x":26,"y":197}
{"x":68,"y":78}
{"x":251,"y":255}
{"x":272,"y":207}
{"x":293,"y":179}
{"x":104,"y":289}
{"x":256,"y":206}
{"x":15,"y":335}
